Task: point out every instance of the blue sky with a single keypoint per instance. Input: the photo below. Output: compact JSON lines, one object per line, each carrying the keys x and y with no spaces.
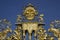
{"x":9,"y":9}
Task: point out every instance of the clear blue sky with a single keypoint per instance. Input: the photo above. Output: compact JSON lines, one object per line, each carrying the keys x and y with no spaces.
{"x":9,"y":9}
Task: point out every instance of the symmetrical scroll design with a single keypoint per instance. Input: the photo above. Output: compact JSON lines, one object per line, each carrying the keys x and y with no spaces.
{"x":32,"y":25}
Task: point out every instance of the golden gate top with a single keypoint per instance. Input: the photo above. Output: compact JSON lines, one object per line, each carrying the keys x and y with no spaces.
{"x":30,"y":12}
{"x":29,"y":27}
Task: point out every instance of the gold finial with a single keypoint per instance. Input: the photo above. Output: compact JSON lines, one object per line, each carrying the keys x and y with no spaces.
{"x":41,"y":18}
{"x":30,"y":12}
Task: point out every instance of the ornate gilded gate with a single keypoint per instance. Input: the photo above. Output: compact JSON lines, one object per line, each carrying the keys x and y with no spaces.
{"x":30,"y":21}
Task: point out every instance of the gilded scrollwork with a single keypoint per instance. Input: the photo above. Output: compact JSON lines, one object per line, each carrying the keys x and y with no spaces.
{"x":19,"y":33}
{"x":55,"y":30}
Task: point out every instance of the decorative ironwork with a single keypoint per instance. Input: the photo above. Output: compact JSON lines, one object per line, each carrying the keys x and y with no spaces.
{"x":19,"y":33}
